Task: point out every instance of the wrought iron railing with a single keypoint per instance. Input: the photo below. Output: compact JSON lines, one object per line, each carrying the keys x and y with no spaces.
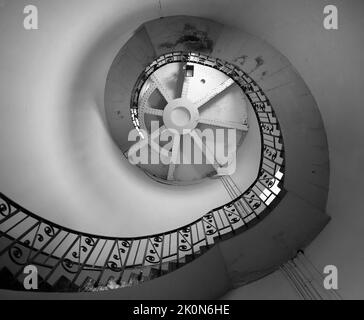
{"x":68,"y":260}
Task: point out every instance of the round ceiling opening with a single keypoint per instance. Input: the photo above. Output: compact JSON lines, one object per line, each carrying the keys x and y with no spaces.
{"x":190,"y":116}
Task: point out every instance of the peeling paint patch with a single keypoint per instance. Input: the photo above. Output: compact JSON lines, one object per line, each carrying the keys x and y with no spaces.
{"x":191,"y":39}
{"x":258,"y":63}
{"x":241,"y":59}
{"x":259,"y":60}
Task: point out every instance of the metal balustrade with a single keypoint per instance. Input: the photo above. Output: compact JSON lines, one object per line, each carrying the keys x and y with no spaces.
{"x":68,"y":260}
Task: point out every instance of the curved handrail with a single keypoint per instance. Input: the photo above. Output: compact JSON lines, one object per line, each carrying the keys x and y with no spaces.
{"x":87,"y":260}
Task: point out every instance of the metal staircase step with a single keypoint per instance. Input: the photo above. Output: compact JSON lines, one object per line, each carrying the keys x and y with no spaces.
{"x":203,"y":249}
{"x":136,"y":277}
{"x":155,"y":273}
{"x":63,"y":284}
{"x":172,"y":266}
{"x":191,"y":257}
{"x":7,"y":280}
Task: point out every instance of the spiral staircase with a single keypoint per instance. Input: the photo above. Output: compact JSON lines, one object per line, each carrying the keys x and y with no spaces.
{"x":241,"y":240}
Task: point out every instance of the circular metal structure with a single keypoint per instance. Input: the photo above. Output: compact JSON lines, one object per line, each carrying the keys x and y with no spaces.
{"x":180,"y":115}
{"x":189,"y":100}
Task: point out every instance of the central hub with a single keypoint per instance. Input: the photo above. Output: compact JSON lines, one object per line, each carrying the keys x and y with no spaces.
{"x":181,"y":115}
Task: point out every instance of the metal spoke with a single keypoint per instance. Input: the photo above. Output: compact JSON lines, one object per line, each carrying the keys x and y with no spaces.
{"x":224,"y":124}
{"x":214,"y":92}
{"x":206,"y":151}
{"x":157,"y":148}
{"x":162,"y":89}
{"x":171,"y":169}
{"x":185,"y":87}
{"x":156,"y":112}
{"x":174,"y":157}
